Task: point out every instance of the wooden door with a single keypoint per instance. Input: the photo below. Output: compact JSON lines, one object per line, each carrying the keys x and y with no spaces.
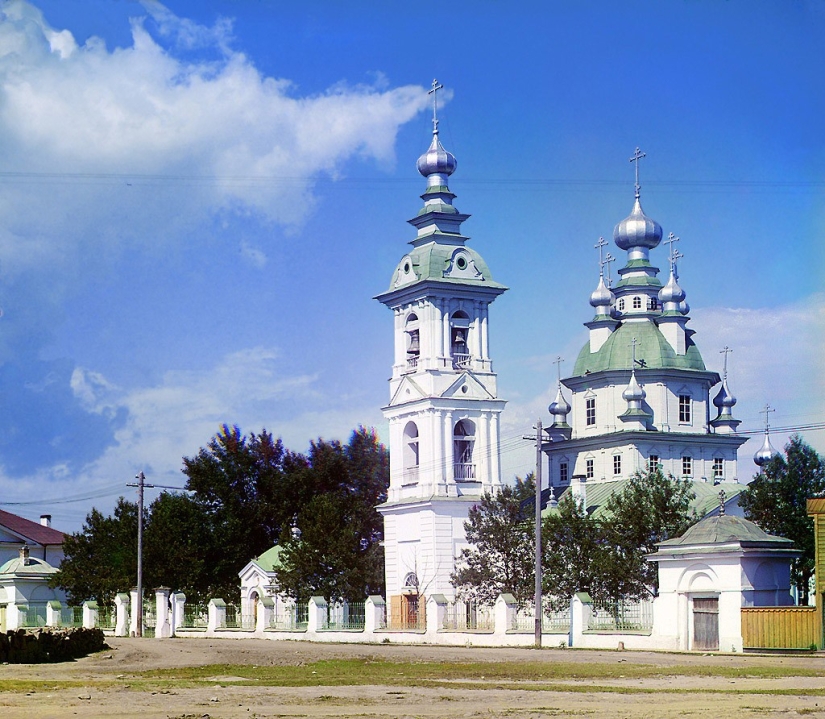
{"x":706,"y":624}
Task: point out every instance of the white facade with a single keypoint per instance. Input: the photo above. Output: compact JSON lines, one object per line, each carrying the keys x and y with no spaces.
{"x":641,"y":395}
{"x":444,"y":407}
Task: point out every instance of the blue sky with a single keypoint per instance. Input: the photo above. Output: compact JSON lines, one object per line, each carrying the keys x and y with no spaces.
{"x":198,"y":201}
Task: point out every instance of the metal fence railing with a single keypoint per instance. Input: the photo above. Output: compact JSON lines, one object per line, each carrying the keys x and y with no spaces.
{"x":35,"y":616}
{"x":150,"y":619}
{"x":71,"y":617}
{"x":552,"y":621}
{"x":106,"y":617}
{"x":469,"y":616}
{"x":195,"y":616}
{"x":621,"y":616}
{"x":291,"y":618}
{"x":345,"y":617}
{"x":236,"y":619}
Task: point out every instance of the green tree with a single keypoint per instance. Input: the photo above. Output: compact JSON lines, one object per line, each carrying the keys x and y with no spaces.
{"x":101,"y":559}
{"x":650,"y":508}
{"x":336,"y":552}
{"x":776,"y":500}
{"x":501,"y":557}
{"x":573,"y":553}
{"x":246,"y":488}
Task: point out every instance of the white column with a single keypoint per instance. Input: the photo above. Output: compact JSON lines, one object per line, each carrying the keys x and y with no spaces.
{"x":178,"y":608}
{"x":445,"y":323}
{"x":495,"y":459}
{"x":122,"y":621}
{"x":217,"y":615}
{"x":449,"y":474}
{"x":135,"y":612}
{"x":485,"y":337}
{"x":89,"y":615}
{"x":163,"y":626}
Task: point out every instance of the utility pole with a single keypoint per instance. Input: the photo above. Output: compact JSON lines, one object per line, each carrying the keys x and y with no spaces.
{"x":538,"y":611}
{"x":141,"y":485}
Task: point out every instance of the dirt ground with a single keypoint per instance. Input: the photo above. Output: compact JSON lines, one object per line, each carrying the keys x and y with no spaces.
{"x":103,"y":688}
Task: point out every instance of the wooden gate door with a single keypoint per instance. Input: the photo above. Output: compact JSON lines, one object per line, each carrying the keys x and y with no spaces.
{"x":706,"y":624}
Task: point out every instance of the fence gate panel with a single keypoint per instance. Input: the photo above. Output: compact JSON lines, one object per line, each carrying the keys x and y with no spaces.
{"x":780,"y":627}
{"x":706,"y":624}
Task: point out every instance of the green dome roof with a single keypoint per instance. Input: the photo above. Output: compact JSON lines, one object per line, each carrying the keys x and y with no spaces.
{"x":30,"y":566}
{"x":723,"y":530}
{"x":651,"y":347}
{"x":445,"y":263}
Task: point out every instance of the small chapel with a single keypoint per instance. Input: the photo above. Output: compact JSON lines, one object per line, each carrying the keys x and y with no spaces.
{"x":640,"y":394}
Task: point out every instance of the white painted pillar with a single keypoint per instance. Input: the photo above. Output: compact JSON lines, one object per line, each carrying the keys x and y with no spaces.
{"x":122,"y":620}
{"x":53,"y":613}
{"x":495,"y":458}
{"x":266,"y":613}
{"x":89,"y":615}
{"x":317,"y":618}
{"x":178,"y":609}
{"x":505,"y":610}
{"x":163,"y":627}
{"x":375,"y":614}
{"x":135,"y":612}
{"x":449,"y":474}
{"x":217,"y":615}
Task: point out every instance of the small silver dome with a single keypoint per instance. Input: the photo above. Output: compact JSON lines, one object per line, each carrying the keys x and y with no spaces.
{"x":765,"y":453}
{"x":633,"y":392}
{"x":559,"y":406}
{"x":724,"y":398}
{"x":637,"y":230}
{"x":671,"y":292}
{"x":437,"y":160}
{"x":602,"y":296}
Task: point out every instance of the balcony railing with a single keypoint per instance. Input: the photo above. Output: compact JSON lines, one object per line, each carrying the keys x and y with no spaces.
{"x":461,"y":360}
{"x":464,"y":471}
{"x":412,"y":361}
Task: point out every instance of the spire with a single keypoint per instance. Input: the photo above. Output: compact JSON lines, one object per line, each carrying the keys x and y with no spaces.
{"x":766,"y":452}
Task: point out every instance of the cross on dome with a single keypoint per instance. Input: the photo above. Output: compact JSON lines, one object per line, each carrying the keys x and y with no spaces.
{"x":722,"y":497}
{"x":768,"y":409}
{"x":608,"y":258}
{"x":601,"y":244}
{"x":434,"y":92}
{"x":725,"y":351}
{"x":637,"y":155}
{"x":558,"y":362}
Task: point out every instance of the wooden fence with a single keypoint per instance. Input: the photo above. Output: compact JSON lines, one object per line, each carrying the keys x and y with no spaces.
{"x":780,"y":627}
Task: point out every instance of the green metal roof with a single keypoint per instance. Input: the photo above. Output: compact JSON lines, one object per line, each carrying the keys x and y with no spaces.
{"x":652,"y":347}
{"x":270,"y":559}
{"x":706,"y":499}
{"x":724,"y":530}
{"x":32,"y":566}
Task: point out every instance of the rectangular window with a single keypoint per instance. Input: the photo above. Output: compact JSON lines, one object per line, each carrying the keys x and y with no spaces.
{"x":653,"y":462}
{"x":563,"y":475}
{"x":687,"y":466}
{"x":718,"y":468}
{"x":590,"y":411}
{"x":684,"y":408}
{"x":588,"y":468}
{"x":617,"y":464}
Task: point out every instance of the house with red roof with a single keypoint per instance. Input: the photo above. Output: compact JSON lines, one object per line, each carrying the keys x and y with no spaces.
{"x":44,"y":542}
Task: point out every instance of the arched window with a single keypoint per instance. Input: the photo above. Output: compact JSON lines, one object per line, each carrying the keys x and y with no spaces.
{"x":463,"y":441}
{"x":459,"y":339}
{"x":620,"y":305}
{"x":413,"y":340}
{"x":652,"y":304}
{"x":637,"y":303}
{"x":410,"y":454}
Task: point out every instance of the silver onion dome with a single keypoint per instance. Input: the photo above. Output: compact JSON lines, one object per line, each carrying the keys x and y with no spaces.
{"x":765,"y":453}
{"x":559,"y":407}
{"x":671,"y":292}
{"x":633,"y":392}
{"x":684,"y":307}
{"x":637,"y":230}
{"x":602,"y":296}
{"x":437,"y":160}
{"x":724,"y":398}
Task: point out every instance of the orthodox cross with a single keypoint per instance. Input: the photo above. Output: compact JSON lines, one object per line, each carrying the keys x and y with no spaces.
{"x":722,"y":497}
{"x":638,"y":155}
{"x":434,"y":92}
{"x":725,"y":352}
{"x":608,"y":258}
{"x":558,"y":362}
{"x":599,"y":245}
{"x":641,"y":363}
{"x":673,"y":254}
{"x":768,"y":409}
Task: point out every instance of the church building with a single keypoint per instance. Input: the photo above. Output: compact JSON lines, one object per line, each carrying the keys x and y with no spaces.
{"x":444,"y":408}
{"x":640,"y":390}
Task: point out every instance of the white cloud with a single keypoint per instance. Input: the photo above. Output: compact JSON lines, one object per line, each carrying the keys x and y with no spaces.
{"x":136,"y":145}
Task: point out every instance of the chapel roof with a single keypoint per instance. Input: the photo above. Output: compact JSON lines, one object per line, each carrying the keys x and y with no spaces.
{"x":270,"y":559}
{"x":726,"y":529}
{"x":652,"y":348}
{"x":27,"y":566}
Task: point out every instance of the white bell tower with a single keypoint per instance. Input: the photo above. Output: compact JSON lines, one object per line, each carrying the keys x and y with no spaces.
{"x":444,"y":408}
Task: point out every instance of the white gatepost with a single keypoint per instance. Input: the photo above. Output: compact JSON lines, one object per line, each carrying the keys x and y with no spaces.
{"x":163,"y":626}
{"x":581,"y":607}
{"x":122,"y":614}
{"x":178,"y":606}
{"x":135,"y":613}
{"x":53,"y":609}
{"x":317,"y":618}
{"x":266,"y":613}
{"x":375,"y":614}
{"x":217,"y":615}
{"x":505,"y":609}
{"x":89,"y":615}
{"x":436,"y":612}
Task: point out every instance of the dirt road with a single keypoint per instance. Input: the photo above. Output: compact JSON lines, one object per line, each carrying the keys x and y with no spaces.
{"x":110,"y":684}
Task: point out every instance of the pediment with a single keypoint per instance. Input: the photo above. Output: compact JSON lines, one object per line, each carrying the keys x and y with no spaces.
{"x":408,"y":391}
{"x":474,"y":388}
